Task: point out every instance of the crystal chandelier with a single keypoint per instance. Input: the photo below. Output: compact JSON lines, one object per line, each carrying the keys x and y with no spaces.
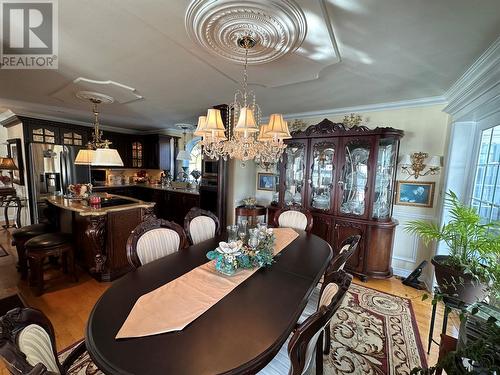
{"x":245,"y":137}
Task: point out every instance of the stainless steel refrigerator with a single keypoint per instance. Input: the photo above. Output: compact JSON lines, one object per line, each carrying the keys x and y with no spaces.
{"x":52,"y":170}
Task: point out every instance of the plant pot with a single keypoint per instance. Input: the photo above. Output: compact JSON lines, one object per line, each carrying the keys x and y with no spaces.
{"x":448,"y":281}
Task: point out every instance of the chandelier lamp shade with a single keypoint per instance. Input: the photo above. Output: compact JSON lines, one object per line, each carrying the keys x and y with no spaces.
{"x":107,"y":157}
{"x":243,"y":137}
{"x":8,"y":164}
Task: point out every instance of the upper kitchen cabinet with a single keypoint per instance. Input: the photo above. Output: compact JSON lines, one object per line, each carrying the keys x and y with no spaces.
{"x":52,"y":132}
{"x":158,"y":152}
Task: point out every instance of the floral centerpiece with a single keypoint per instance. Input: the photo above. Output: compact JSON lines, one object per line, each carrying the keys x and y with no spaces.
{"x":250,"y":202}
{"x":258,"y":252}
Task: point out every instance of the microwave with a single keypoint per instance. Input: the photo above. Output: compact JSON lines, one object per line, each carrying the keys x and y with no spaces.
{"x":210,"y":168}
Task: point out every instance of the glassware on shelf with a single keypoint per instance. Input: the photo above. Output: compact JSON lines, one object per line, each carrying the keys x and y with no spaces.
{"x":355,"y":177}
{"x":322,"y":172}
{"x":384,"y":183}
{"x":294,"y":173}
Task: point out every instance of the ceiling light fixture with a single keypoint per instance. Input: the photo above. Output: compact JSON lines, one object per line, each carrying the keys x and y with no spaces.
{"x":98,"y":152}
{"x":247,"y":138}
{"x":183,"y":154}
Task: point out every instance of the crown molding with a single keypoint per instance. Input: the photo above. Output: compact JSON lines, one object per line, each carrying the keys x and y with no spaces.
{"x":479,"y":85}
{"x":66,"y":120}
{"x":412,"y":103}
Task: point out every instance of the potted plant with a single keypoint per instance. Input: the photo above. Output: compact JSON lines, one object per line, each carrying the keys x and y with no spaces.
{"x":469,"y":272}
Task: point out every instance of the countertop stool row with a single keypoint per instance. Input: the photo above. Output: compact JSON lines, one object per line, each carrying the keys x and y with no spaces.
{"x":34,"y":244}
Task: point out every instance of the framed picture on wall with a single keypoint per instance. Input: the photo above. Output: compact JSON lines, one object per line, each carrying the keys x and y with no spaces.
{"x":266,"y":181}
{"x":414,"y":193}
{"x":15,"y":151}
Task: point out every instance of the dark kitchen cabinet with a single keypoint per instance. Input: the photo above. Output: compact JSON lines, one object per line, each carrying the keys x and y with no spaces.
{"x":158,"y":152}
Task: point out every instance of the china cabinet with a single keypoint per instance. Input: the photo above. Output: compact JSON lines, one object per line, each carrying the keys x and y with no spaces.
{"x":346,"y":178}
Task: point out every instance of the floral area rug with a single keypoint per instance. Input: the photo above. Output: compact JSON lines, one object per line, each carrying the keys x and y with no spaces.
{"x":374,"y":333}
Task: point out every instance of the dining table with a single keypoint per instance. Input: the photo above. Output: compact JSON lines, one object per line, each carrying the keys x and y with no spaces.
{"x":240,"y":334}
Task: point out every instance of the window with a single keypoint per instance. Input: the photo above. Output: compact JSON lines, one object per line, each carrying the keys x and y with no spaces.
{"x":486,"y":189}
{"x":195,"y":162}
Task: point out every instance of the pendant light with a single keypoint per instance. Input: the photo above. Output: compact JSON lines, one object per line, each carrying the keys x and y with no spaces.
{"x":183,"y":154}
{"x":98,"y":151}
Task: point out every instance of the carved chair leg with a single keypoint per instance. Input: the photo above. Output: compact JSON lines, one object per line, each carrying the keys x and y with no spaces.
{"x":319,"y":355}
{"x":327,"y":333}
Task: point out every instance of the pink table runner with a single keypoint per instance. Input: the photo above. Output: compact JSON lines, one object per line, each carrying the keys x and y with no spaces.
{"x":173,"y":306}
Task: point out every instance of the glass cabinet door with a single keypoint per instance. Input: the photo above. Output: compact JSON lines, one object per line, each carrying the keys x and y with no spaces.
{"x":322,"y":174}
{"x":384,"y":178}
{"x":354,"y":177}
{"x":294,"y":173}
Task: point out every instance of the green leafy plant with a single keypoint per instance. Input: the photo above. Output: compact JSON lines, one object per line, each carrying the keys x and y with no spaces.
{"x":474,"y":247}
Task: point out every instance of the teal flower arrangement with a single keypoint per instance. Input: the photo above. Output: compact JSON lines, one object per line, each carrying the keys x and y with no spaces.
{"x":229,"y":257}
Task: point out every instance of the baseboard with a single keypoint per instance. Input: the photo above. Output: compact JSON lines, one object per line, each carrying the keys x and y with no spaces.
{"x":400,"y":271}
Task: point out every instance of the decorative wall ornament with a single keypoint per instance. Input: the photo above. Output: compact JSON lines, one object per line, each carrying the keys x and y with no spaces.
{"x":415,"y":164}
{"x":353,"y":120}
{"x":298,"y":125}
{"x":278,"y":27}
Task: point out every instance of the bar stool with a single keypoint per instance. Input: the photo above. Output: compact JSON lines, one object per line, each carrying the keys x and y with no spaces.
{"x":50,"y":244}
{"x":20,"y":236}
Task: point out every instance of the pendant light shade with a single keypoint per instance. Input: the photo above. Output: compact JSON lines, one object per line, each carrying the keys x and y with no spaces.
{"x":202,"y":125}
{"x":107,"y":157}
{"x":246,"y":121}
{"x":263,"y":134}
{"x":84,"y":157}
{"x":183,"y":155}
{"x":278,"y":127}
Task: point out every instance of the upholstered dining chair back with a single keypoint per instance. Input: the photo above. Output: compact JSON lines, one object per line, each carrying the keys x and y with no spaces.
{"x":308,"y":336}
{"x":28,"y":345}
{"x":200,"y":225}
{"x":300,"y":219}
{"x":154,"y":239}
{"x":347,"y":249}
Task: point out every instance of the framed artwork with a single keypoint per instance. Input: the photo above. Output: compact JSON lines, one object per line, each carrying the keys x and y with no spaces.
{"x":266,"y":181}
{"x":413,"y":193}
{"x":15,"y":151}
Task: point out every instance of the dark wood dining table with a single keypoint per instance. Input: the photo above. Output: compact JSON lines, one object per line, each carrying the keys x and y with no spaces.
{"x":238,"y":335}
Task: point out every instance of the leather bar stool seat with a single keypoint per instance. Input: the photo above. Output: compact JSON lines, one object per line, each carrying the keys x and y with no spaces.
{"x":20,"y":236}
{"x":49,"y":245}
{"x":47,"y":240}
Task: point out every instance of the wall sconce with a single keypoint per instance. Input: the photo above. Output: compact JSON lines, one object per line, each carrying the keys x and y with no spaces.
{"x":414,"y":164}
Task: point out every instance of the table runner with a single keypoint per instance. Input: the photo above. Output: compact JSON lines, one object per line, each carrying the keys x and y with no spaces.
{"x":174,"y":305}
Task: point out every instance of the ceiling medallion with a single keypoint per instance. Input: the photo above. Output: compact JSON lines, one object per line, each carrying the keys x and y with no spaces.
{"x":277,"y":26}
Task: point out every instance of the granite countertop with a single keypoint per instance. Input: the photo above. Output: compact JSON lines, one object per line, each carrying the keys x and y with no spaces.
{"x":83,"y":208}
{"x":148,"y":186}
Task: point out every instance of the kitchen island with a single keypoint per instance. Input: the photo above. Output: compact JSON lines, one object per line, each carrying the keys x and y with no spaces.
{"x":100,"y":233}
{"x":170,"y":204}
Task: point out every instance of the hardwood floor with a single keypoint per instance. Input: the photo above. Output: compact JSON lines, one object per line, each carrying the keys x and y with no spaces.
{"x":68,"y":304}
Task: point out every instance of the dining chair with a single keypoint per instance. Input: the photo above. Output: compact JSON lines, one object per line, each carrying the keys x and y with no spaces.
{"x":153,"y":239}
{"x":28,"y":344}
{"x":200,"y":225}
{"x":347,"y":249}
{"x":296,"y":355}
{"x":296,"y":218}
